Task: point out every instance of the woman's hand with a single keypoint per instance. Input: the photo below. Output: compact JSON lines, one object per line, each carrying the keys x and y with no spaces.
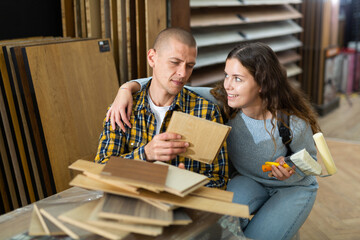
{"x":120,"y":110}
{"x":280,"y":172}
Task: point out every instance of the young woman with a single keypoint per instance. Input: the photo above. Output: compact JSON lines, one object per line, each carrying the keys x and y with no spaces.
{"x":255,"y":90}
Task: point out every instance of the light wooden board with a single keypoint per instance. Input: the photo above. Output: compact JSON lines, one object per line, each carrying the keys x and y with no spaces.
{"x":78,"y":217}
{"x":235,"y":16}
{"x":181,"y":217}
{"x":132,"y":210}
{"x":181,"y":181}
{"x":292,"y":70}
{"x":136,"y":173}
{"x":93,"y":18}
{"x":37,"y":224}
{"x":79,"y":86}
{"x":95,"y":207}
{"x":67,"y":18}
{"x":193,"y":202}
{"x":205,"y":137}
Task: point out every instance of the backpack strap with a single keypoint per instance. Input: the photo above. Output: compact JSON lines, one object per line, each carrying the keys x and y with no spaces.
{"x":284,"y":132}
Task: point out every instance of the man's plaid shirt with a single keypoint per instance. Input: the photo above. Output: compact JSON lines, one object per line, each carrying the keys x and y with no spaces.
{"x":131,"y":144}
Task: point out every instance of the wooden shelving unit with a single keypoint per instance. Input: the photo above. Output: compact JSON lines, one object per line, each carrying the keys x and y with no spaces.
{"x":218,"y":26}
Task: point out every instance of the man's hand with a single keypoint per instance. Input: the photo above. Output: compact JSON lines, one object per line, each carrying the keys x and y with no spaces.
{"x":120,"y":110}
{"x":162,"y":148}
{"x":280,"y":172}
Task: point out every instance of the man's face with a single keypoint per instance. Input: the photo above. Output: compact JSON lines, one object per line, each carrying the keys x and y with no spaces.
{"x":172,"y":66}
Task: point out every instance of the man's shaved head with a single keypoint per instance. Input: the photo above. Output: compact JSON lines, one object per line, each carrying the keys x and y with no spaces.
{"x":163,"y":38}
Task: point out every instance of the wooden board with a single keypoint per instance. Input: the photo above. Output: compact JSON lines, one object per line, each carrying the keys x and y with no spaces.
{"x":78,"y":217}
{"x":95,"y":207}
{"x":205,"y":137}
{"x":289,"y":56}
{"x":93,"y":18}
{"x":71,"y":103}
{"x":37,"y":224}
{"x":181,"y":181}
{"x":67,"y":18}
{"x":212,"y":3}
{"x":136,"y":173}
{"x":235,"y":16}
{"x":132,"y":210}
{"x":193,"y":202}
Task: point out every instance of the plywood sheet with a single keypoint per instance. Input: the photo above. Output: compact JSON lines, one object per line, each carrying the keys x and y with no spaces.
{"x":73,"y":83}
{"x":193,"y":202}
{"x":133,"y":211}
{"x":205,"y":137}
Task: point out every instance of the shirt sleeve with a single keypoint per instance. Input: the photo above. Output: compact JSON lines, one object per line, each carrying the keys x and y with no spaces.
{"x":142,"y":82}
{"x":217,"y":172}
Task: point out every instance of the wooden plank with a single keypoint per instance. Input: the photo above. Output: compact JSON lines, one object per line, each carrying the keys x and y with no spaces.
{"x":214,"y":193}
{"x":180,"y":14}
{"x":113,"y":31}
{"x":11,"y":139}
{"x":37,"y":226}
{"x":204,"y":17}
{"x":289,"y":56}
{"x":181,"y":217}
{"x":95,"y":207}
{"x":83,"y":19}
{"x":10,"y":178}
{"x":132,"y":210}
{"x":136,"y":173}
{"x":67,"y":108}
{"x":67,"y":18}
{"x":155,"y":22}
{"x":123,"y":62}
{"x":204,"y":137}
{"x":93,"y":18}
{"x":193,"y":202}
{"x":141,"y":39}
{"x":32,"y":120}
{"x":5,"y":199}
{"x":78,"y":217}
{"x":77,"y":19}
{"x":105,"y":18}
{"x":228,"y":3}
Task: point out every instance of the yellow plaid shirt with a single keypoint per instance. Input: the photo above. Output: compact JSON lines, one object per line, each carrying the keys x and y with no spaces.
{"x":131,"y":144}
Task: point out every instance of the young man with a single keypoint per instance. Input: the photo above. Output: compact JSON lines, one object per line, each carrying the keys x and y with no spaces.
{"x":172,"y":59}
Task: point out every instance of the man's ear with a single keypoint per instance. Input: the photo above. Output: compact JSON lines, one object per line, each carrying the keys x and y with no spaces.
{"x":151,"y":55}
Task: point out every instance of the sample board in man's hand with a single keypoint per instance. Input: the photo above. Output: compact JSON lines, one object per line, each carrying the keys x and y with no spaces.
{"x":205,"y":137}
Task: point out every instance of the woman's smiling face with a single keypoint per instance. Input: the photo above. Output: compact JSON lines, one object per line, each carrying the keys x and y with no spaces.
{"x":241,"y":88}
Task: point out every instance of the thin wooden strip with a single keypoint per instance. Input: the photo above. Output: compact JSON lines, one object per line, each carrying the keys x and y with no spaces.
{"x":133,"y":211}
{"x":214,"y":193}
{"x":141,"y":38}
{"x":77,"y":18}
{"x":158,"y":204}
{"x":37,"y":226}
{"x":192,"y":202}
{"x":79,"y":217}
{"x":121,"y":18}
{"x":32,"y":120}
{"x":4,"y":192}
{"x":181,"y":217}
{"x":105,"y":18}
{"x":28,"y":162}
{"x":93,"y":18}
{"x":83,"y":19}
{"x":67,"y":18}
{"x":95,"y":206}
{"x":7,"y":168}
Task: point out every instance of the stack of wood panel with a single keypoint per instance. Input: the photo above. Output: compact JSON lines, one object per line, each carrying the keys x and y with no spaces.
{"x":320,"y":42}
{"x":131,"y":26}
{"x":140,"y":197}
{"x":218,"y":26}
{"x":54,"y":95}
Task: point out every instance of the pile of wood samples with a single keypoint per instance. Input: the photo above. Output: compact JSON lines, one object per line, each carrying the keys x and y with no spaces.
{"x":54,"y":96}
{"x":141,"y":198}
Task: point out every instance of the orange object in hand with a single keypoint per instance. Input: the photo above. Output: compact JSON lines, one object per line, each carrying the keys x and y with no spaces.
{"x":267,"y":166}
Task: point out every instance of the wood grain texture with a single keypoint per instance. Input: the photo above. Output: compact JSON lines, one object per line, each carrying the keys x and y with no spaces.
{"x":96,"y":206}
{"x":79,"y":216}
{"x":79,"y":85}
{"x":137,"y":173}
{"x":205,"y":137}
{"x":93,"y":18}
{"x":193,"y":202}
{"x":132,"y":210}
{"x":67,"y":18}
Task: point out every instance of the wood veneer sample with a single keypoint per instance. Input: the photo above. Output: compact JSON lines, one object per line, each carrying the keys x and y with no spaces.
{"x":79,"y":217}
{"x":73,"y":83}
{"x":193,"y":202}
{"x":133,"y":210}
{"x":95,"y":207}
{"x":205,"y":137}
{"x":137,"y":173}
